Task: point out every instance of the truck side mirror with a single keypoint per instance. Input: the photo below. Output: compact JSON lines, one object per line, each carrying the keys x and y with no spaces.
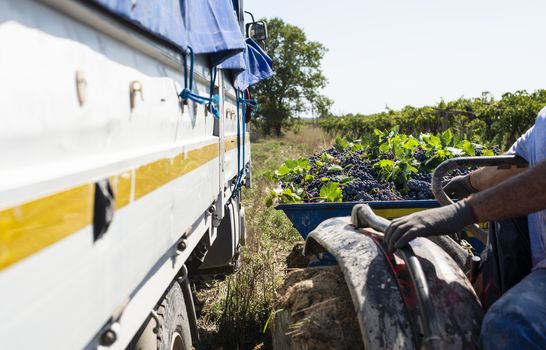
{"x":257,"y":31}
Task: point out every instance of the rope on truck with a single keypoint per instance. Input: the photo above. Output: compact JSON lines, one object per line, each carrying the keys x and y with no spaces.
{"x":187,"y":94}
{"x":212,"y":101}
{"x":241,"y":103}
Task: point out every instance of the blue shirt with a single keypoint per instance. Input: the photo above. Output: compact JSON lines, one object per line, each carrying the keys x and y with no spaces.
{"x":532,"y":147}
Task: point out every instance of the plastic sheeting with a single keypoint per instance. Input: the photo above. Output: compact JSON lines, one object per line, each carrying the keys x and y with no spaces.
{"x":236,"y":63}
{"x":207,"y":26}
{"x":162,"y":18}
{"x":258,"y":66}
{"x":213,"y":28}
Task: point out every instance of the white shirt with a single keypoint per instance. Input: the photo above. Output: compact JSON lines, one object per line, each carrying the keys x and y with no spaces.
{"x":532,"y":147}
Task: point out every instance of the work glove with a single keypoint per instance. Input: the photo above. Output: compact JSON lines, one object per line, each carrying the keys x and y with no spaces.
{"x":433,"y":222}
{"x":459,"y":187}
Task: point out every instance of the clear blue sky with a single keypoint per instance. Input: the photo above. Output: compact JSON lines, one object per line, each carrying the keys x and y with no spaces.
{"x":399,"y":52}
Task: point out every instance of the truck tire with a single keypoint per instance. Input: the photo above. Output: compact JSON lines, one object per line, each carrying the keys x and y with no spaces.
{"x":315,"y":311}
{"x":174,"y":328}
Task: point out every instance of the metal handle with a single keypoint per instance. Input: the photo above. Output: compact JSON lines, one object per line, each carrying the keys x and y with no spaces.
{"x":363,"y":216}
{"x":503,"y":162}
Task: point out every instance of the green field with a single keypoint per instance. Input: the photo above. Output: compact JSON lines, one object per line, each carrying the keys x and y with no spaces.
{"x":236,"y":310}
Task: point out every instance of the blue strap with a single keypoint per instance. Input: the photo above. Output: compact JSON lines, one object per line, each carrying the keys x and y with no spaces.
{"x":187,"y":94}
{"x":214,"y":99}
{"x":253,"y":103}
{"x":241,"y":104}
{"x":240,"y":170}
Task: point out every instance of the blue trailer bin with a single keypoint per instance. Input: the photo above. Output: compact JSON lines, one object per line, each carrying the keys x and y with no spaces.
{"x":307,"y":216}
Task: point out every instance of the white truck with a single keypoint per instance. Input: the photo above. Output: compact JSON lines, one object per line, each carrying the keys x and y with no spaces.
{"x":113,"y":181}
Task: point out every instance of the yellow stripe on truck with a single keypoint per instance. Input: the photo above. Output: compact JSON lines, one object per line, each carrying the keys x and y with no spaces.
{"x":156,"y":174}
{"x":33,"y":226}
{"x":121,"y":185}
{"x":231,"y":143}
{"x":30,"y":227}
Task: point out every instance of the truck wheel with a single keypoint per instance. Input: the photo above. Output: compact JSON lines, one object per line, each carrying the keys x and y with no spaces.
{"x":315,"y":311}
{"x":174,"y":331}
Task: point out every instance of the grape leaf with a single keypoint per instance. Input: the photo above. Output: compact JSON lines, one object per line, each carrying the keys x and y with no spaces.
{"x":282,"y":171}
{"x":335,"y":167}
{"x":447,"y":137}
{"x":291,"y":164}
{"x":467,"y":147}
{"x":331,"y":192}
{"x":341,"y":143}
{"x":456,"y":151}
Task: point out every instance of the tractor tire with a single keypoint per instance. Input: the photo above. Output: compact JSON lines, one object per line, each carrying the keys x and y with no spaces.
{"x":315,"y":311}
{"x":174,"y":328}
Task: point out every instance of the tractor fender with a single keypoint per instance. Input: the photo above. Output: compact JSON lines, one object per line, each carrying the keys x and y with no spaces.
{"x":383,"y":320}
{"x":386,"y":311}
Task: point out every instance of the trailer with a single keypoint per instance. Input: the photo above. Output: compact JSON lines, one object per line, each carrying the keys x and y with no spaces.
{"x":124,"y":150}
{"x":422,"y":296}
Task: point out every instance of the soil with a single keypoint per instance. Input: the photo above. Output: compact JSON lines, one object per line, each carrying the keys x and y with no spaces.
{"x":296,"y":259}
{"x":315,"y":311}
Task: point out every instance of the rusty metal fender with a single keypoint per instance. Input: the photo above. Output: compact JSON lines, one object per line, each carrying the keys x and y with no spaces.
{"x":382,"y":317}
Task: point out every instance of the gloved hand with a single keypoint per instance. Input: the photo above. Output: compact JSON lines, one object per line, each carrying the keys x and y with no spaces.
{"x":432,"y":222}
{"x":459,"y":187}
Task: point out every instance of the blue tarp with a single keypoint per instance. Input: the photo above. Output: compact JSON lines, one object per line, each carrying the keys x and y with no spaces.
{"x":162,"y":18}
{"x":208,"y":26}
{"x":236,"y":63}
{"x":213,"y":28}
{"x":258,"y":66}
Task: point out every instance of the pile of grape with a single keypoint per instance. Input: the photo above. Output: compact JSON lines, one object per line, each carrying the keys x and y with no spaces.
{"x":364,"y":184}
{"x":386,"y":167}
{"x":362,"y":180}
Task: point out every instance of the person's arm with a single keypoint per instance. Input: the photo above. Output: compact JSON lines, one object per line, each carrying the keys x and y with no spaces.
{"x":517,"y":196}
{"x":484,"y":178}
{"x":523,"y":194}
{"x":464,"y":185}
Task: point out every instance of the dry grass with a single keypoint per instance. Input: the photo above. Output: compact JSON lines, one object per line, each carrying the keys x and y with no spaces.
{"x":310,"y":139}
{"x":237,"y":309}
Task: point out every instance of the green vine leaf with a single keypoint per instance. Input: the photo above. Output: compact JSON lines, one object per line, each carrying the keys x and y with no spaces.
{"x":331,"y":192}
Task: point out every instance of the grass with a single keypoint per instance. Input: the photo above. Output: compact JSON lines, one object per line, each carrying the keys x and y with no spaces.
{"x":237,"y":309}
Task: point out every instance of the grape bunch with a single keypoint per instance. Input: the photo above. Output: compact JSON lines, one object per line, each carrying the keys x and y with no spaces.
{"x":418,"y":189}
{"x":420,"y":154}
{"x":363,"y":184}
{"x":371,"y":171}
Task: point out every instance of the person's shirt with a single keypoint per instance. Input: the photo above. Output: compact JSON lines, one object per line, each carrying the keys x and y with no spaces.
{"x":532,"y":147}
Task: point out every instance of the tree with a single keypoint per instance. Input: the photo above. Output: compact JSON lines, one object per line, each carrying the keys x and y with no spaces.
{"x":323,"y":106}
{"x":298,"y":78}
